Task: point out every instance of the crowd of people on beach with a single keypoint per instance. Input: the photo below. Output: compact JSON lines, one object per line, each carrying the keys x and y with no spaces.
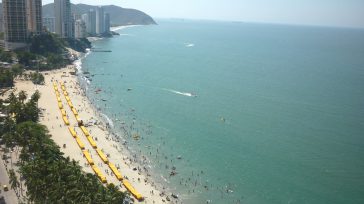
{"x":129,"y":132}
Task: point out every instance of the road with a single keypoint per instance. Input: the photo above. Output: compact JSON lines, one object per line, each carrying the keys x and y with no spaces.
{"x":9,"y":196}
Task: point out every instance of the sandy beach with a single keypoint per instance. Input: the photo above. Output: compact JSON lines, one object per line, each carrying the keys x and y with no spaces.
{"x":52,"y":118}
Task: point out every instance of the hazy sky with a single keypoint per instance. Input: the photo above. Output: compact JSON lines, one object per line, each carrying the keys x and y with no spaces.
{"x":348,"y":13}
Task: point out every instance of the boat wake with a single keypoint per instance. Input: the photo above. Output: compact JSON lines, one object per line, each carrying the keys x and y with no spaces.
{"x":181,"y":93}
{"x":189,"y":45}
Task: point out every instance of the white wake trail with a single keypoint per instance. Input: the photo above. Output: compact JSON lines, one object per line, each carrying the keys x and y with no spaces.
{"x":181,"y":93}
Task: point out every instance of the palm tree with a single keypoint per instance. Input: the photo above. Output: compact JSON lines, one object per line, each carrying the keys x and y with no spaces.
{"x":13,"y":180}
{"x":36,"y":96}
{"x":22,"y":96}
{"x":49,"y":177}
{"x":8,"y":133}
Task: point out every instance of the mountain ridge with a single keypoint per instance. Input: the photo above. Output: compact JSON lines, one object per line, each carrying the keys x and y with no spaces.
{"x":118,"y":16}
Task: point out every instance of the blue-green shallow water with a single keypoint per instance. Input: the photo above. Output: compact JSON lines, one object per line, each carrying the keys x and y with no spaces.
{"x":278,"y":117}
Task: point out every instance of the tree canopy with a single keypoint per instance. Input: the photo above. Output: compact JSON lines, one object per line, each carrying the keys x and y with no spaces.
{"x":49,"y":176}
{"x":46,"y":43}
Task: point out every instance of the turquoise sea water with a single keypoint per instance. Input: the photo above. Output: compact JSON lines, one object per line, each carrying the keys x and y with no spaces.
{"x":278,"y":117}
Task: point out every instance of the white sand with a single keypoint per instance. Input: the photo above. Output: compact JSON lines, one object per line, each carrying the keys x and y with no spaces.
{"x":60,"y":134}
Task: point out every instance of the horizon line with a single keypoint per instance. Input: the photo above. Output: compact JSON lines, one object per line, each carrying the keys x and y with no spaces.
{"x":237,"y":21}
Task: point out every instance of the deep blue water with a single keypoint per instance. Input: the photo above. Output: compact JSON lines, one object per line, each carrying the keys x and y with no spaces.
{"x":278,"y":117}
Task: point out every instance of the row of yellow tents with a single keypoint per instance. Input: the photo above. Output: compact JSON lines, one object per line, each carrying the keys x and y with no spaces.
{"x":73,"y":132}
{"x":99,"y":174}
{"x":87,"y":155}
{"x":60,"y":105}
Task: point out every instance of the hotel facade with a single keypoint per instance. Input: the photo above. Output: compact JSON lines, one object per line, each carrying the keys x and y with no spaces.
{"x":63,"y":19}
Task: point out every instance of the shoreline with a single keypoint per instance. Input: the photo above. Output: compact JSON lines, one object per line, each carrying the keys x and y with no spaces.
{"x":122,"y":144}
{"x":113,"y":29}
{"x":105,"y":139}
{"x":117,"y":28}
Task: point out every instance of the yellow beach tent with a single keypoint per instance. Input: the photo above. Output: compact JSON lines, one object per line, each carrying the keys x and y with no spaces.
{"x":80,"y":143}
{"x":92,"y":142}
{"x":66,"y":120}
{"x":102,"y":156}
{"x":63,"y":112}
{"x":115,"y":171}
{"x":132,"y":190}
{"x":74,"y":111}
{"x":70,"y":104}
{"x":99,"y":174}
{"x":88,"y":157}
{"x":84,"y":130}
{"x":72,"y":131}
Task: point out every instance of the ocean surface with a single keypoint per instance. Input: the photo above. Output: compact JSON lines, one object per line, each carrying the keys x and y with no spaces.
{"x":243,"y":113}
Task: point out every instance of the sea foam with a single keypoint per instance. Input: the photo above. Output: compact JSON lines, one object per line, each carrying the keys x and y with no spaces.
{"x":108,"y":120}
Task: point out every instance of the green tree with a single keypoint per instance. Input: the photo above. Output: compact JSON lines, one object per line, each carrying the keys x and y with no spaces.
{"x":17,"y":70}
{"x":37,"y":78}
{"x":49,"y":176}
{"x":55,"y":61}
{"x":26,"y":58}
{"x":46,"y":43}
{"x":7,"y":131}
{"x":21,"y":111}
{"x":22,"y":96}
{"x":6,"y":78}
{"x":79,"y":45}
{"x":13,"y":180}
{"x":6,"y":56}
{"x":36,"y":96}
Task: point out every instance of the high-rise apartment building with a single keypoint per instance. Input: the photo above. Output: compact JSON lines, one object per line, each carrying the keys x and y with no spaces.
{"x":80,"y":29}
{"x":107,"y":22}
{"x":64,"y":22}
{"x":91,"y":22}
{"x":34,"y":16}
{"x":84,"y":17}
{"x":1,"y":24}
{"x":50,"y":24}
{"x":15,"y":24}
{"x":100,"y":21}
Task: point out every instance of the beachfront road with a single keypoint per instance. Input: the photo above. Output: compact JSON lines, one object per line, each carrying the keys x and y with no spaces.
{"x":7,"y":196}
